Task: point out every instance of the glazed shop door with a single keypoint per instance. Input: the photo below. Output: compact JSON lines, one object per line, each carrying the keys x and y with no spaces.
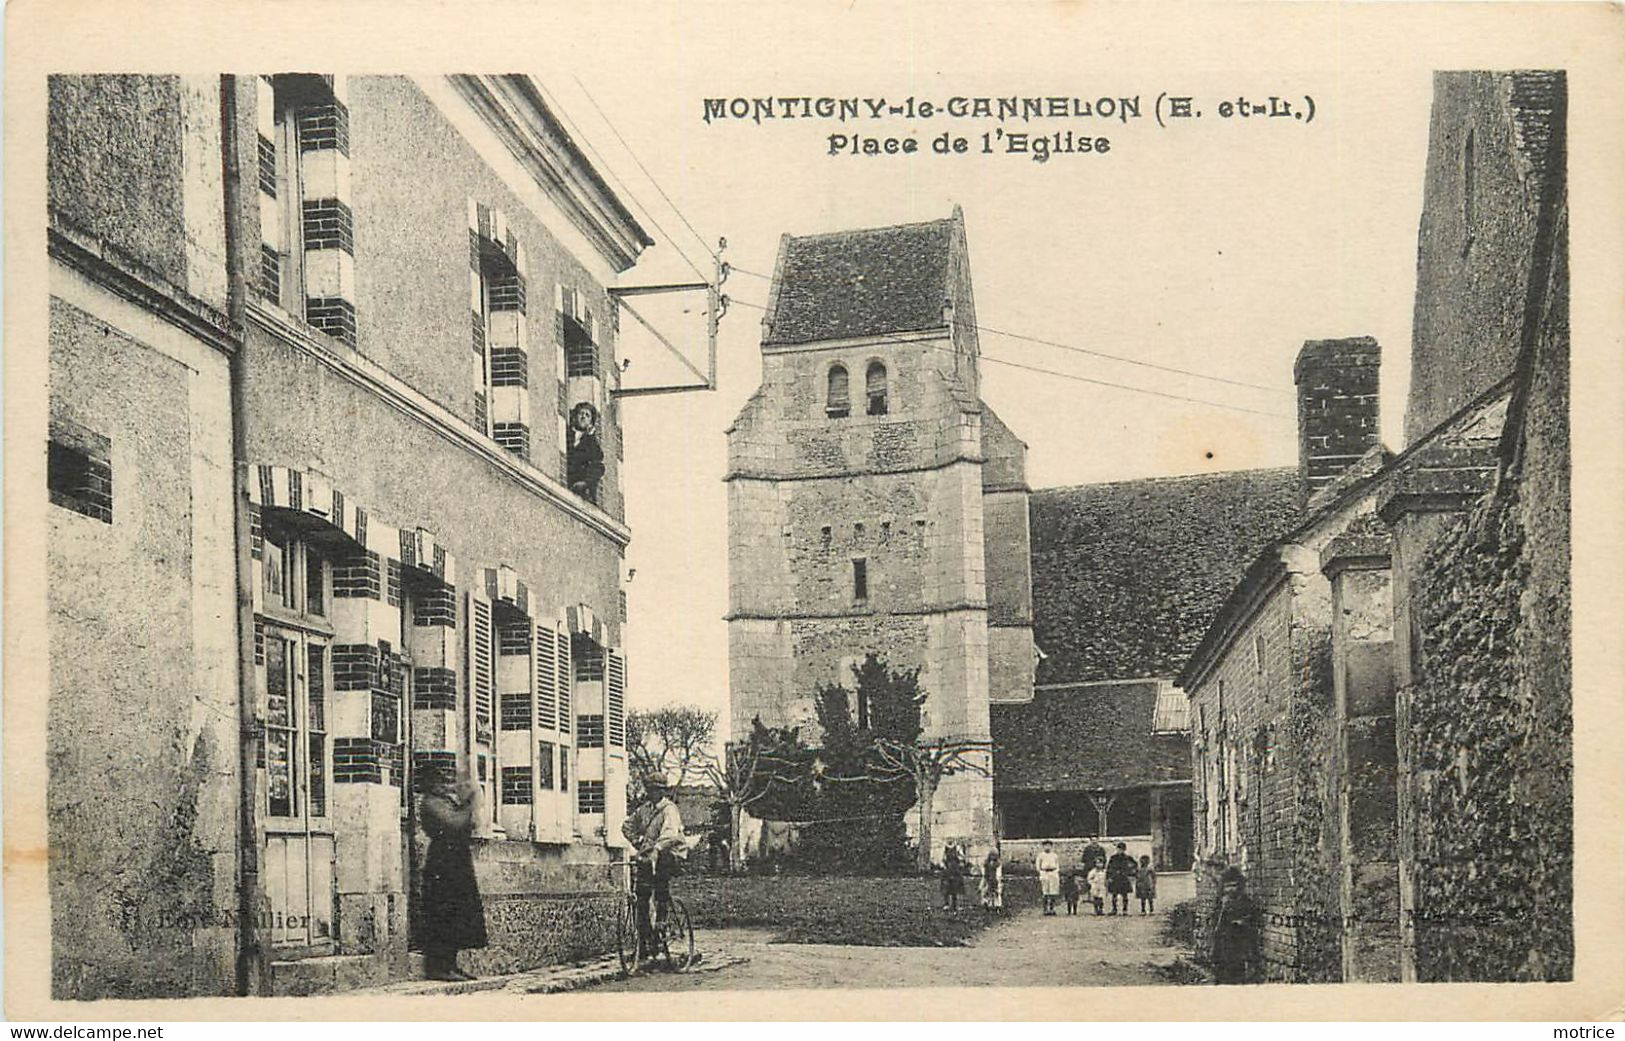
{"x":298,"y":862}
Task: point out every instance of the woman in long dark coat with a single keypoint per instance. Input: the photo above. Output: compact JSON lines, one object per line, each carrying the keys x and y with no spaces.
{"x":453,"y":916}
{"x":1237,"y":929}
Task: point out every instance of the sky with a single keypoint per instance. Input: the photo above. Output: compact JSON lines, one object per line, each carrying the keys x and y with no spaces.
{"x":1215,"y":246}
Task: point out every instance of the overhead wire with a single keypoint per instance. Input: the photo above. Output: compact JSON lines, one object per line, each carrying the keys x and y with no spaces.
{"x":674,"y":207}
{"x":1074,"y":348}
{"x":604,"y":164}
{"x":1086,"y":379}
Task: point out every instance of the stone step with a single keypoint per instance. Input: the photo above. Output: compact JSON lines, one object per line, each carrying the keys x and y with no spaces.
{"x":329,"y":973}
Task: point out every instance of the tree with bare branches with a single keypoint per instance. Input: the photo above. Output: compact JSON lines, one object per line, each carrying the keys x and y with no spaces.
{"x":927,"y":762}
{"x":675,"y":740}
{"x":750,"y":771}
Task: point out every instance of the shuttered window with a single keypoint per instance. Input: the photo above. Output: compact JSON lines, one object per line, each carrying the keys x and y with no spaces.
{"x":481,"y":681}
{"x":481,"y":673}
{"x":615,"y":689}
{"x":545,"y":678}
{"x":566,"y":678}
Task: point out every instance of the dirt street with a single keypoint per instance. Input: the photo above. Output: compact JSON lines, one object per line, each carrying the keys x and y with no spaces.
{"x":1028,"y":950}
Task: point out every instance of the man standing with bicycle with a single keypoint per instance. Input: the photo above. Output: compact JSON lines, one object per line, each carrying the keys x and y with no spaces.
{"x":655,"y":830}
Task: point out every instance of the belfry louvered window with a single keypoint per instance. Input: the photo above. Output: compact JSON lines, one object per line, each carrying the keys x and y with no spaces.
{"x":875,"y":388}
{"x":838,"y":398}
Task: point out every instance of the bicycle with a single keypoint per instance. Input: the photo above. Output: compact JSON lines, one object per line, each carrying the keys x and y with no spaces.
{"x":670,"y":938}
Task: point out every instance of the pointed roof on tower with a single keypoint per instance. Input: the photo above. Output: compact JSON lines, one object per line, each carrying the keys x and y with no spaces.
{"x":863,"y":282}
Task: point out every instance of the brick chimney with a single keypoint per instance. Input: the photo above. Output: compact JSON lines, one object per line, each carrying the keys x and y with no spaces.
{"x":1337,"y":408}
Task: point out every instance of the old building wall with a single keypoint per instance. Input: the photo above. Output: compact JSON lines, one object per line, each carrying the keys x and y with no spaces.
{"x":810,"y":495}
{"x":1270,"y":756}
{"x":1243,"y":789}
{"x":1486,"y":174}
{"x":412,"y":177}
{"x":303,"y":413}
{"x":1007,"y":561}
{"x":785,"y":432}
{"x":1314,"y":848}
{"x":855,"y":530}
{"x":1362,"y":669}
{"x":1488,"y":707}
{"x":136,"y":163}
{"x":142,"y":785}
{"x":114,"y":164}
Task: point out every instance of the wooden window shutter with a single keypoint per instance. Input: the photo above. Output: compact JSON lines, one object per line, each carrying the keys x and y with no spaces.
{"x":545,"y":675}
{"x":566,"y":674}
{"x":615,"y":695}
{"x":481,"y":684}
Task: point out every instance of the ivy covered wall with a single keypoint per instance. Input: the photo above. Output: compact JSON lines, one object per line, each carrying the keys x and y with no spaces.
{"x":1491,"y":709}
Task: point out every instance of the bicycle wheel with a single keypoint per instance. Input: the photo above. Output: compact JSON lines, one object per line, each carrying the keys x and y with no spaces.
{"x":677,"y":939}
{"x":626,"y":938}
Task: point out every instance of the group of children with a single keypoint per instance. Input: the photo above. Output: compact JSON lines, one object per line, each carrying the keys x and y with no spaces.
{"x":1117,"y":878}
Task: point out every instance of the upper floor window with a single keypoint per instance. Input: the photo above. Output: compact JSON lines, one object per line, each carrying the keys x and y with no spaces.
{"x":501,"y":296}
{"x":307,"y":237}
{"x":579,"y":335}
{"x":584,"y":458}
{"x":295,"y":576}
{"x":875,"y":388}
{"x":587,"y":655}
{"x":838,"y":399}
{"x":860,"y":579}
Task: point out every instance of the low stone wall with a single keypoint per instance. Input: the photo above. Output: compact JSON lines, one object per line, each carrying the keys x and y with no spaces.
{"x":530,"y":930}
{"x":544,"y":904}
{"x":1019,"y":853}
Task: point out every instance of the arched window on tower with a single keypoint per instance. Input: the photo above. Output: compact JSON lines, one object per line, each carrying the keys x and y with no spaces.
{"x":838,"y":402}
{"x":875,"y":381}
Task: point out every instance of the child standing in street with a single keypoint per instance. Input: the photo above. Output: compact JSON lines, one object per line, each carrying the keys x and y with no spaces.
{"x":993,"y":882}
{"x":1069,"y":889}
{"x":1145,"y":886}
{"x":1096,"y":882}
{"x":1048,"y":866}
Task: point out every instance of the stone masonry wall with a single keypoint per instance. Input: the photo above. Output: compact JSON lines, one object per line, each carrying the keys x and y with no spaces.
{"x":1279,"y":739}
{"x":859,"y":533}
{"x":142,"y":782}
{"x":1256,"y":693}
{"x":1479,"y":206}
{"x":1490,"y":713}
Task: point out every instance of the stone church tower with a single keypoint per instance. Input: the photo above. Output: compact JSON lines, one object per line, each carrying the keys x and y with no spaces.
{"x":875,"y":504}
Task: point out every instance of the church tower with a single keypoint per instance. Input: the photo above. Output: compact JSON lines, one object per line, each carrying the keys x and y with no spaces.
{"x":856,"y":481}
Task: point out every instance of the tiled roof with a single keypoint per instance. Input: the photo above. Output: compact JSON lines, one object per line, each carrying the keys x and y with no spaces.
{"x":861,"y":283}
{"x":1127,"y":576}
{"x":1085,"y":738}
